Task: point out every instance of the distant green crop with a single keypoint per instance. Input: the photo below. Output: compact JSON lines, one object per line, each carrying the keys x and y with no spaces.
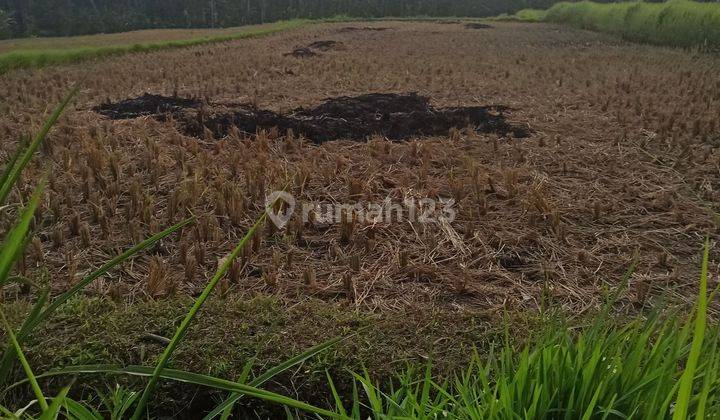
{"x":678,"y":23}
{"x":40,"y":58}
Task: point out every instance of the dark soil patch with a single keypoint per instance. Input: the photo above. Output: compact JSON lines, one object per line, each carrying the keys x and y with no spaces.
{"x":301,"y":53}
{"x":146,"y":105}
{"x":475,"y":25}
{"x":395,"y":116}
{"x":324,"y":45}
{"x":366,"y":28}
{"x":511,"y":262}
{"x":309,"y":51}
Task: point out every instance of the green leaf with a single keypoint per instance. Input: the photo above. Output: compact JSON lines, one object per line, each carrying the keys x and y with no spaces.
{"x":13,"y":161}
{"x":26,"y":366}
{"x":686,"y":380}
{"x":32,"y":322}
{"x":81,"y":411}
{"x":191,"y":378}
{"x":269,"y":374}
{"x":14,"y":242}
{"x":19,"y":162}
{"x":52,"y":412}
{"x":31,"y":317}
{"x":185,"y":324}
{"x":7,"y":413}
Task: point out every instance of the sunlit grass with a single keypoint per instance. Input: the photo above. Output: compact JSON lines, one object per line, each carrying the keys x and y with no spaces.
{"x":34,"y":58}
{"x":678,"y":23}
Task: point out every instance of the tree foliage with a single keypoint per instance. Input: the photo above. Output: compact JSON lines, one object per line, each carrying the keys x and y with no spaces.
{"x":5,"y":24}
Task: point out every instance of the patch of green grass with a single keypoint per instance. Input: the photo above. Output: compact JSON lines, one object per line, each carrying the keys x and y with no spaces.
{"x":654,"y":368}
{"x":678,"y":23}
{"x":20,"y":59}
{"x":232,"y":330}
{"x":525,"y":15}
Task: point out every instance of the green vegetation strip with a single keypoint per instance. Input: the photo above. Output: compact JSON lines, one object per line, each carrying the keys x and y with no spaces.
{"x":677,"y":23}
{"x":21,"y":59}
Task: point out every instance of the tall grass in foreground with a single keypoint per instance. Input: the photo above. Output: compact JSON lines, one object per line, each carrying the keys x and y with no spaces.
{"x":678,"y":23}
{"x":40,"y":58}
{"x":648,"y":369}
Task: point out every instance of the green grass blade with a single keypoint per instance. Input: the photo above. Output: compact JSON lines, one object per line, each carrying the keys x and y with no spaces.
{"x":243,"y":378}
{"x":190,"y":378}
{"x":338,"y":400}
{"x":26,"y":366}
{"x":7,"y":414}
{"x":53,"y":411}
{"x":185,"y":324}
{"x":591,"y":407}
{"x":686,"y":380}
{"x":15,"y":239}
{"x":21,"y":161}
{"x":32,"y":322}
{"x":80,"y":411}
{"x":34,"y":313}
{"x":269,"y":374}
{"x":13,"y":161}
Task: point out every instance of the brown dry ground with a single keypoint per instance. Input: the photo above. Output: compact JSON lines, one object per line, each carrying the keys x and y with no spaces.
{"x":623,"y":162}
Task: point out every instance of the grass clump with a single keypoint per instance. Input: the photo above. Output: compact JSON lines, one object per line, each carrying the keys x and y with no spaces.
{"x":21,"y":59}
{"x":651,"y":368}
{"x":677,"y":23}
{"x":524,"y":15}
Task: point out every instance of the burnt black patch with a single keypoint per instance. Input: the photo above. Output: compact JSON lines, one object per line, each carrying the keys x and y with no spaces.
{"x":475,"y":25}
{"x":301,"y":53}
{"x":362,"y":29}
{"x":146,"y":105}
{"x":395,"y":116}
{"x":325,"y":45}
{"x":310,"y":50}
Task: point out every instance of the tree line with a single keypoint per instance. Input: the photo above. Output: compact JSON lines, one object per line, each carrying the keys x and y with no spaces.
{"x":21,"y":18}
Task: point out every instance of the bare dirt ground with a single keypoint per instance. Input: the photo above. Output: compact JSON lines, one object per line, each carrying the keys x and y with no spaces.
{"x":621,"y":162}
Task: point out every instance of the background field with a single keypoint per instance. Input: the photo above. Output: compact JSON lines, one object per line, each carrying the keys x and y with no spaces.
{"x":621,"y":163}
{"x":115,"y":39}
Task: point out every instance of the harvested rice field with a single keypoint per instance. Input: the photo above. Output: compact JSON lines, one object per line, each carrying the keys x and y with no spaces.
{"x":549,"y":162}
